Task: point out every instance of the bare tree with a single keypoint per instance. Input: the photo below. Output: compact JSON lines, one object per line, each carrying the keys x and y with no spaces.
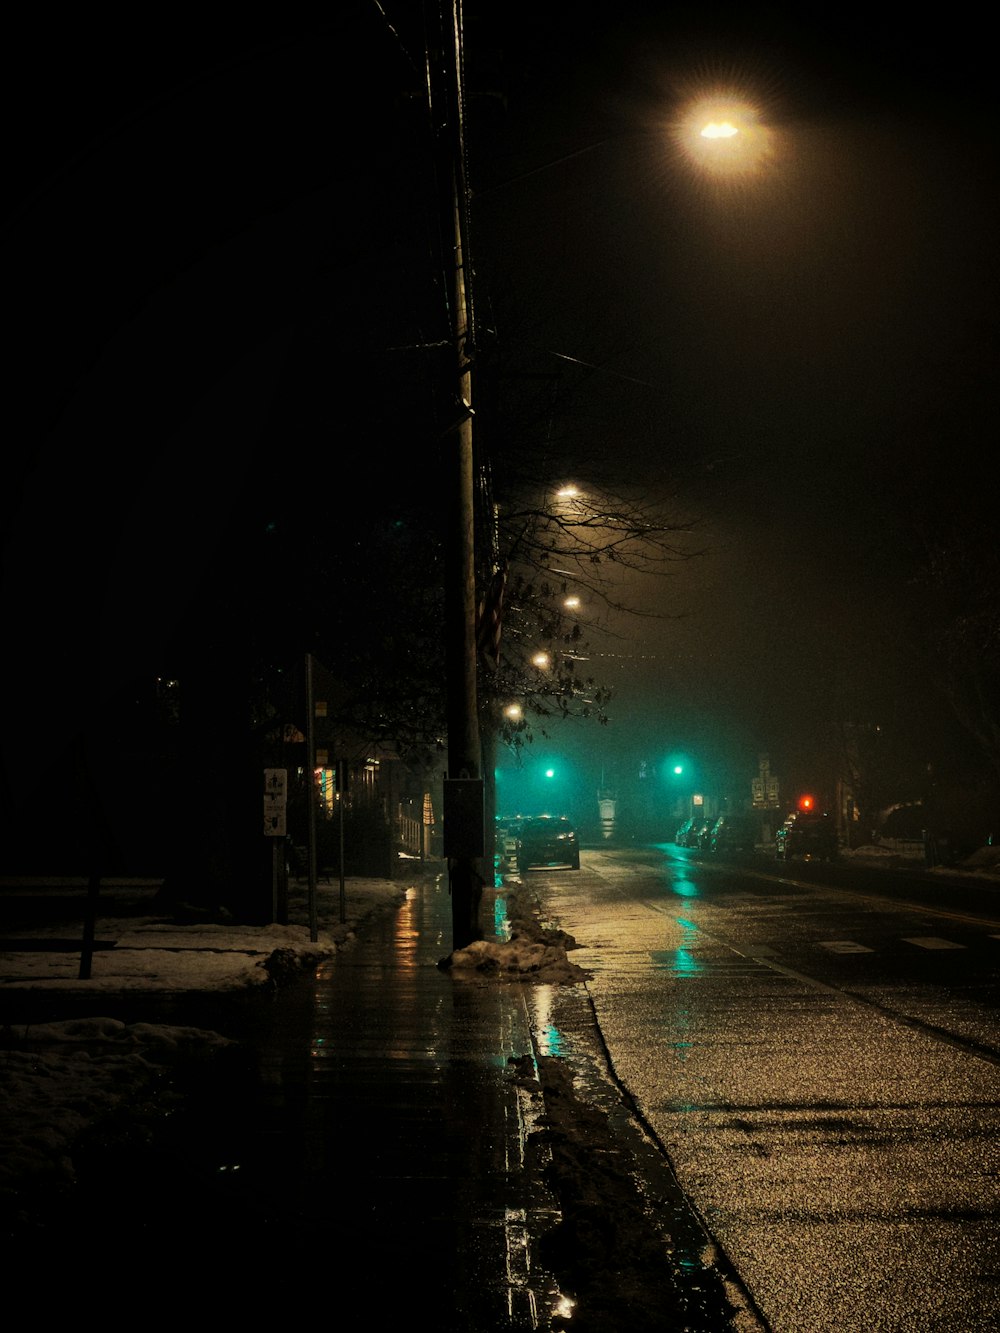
{"x":959,"y":627}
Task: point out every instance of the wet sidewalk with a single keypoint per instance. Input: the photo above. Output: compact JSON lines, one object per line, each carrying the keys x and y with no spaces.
{"x":399,"y":1127}
{"x":376,"y":1153}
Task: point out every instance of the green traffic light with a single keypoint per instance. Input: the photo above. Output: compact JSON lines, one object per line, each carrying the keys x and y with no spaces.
{"x":675,"y":766}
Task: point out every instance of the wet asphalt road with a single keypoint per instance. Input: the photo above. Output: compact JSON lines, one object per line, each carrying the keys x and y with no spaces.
{"x":821,"y":1064}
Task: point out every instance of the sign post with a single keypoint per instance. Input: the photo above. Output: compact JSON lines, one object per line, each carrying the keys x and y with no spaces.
{"x":765,"y":790}
{"x":275,"y":826}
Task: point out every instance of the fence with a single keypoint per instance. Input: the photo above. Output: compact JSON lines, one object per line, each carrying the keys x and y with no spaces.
{"x":409,"y":835}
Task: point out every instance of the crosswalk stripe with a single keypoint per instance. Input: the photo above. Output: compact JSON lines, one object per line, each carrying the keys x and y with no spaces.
{"x":931,"y":942}
{"x":844,"y":946}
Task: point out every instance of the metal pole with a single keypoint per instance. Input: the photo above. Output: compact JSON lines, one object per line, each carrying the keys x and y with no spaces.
{"x":89,"y":926}
{"x":464,"y":755}
{"x":311,"y":796}
{"x":277,"y":848}
{"x":341,"y":794}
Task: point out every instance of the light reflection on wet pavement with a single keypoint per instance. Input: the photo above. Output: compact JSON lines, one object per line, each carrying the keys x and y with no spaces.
{"x":403,"y":1131}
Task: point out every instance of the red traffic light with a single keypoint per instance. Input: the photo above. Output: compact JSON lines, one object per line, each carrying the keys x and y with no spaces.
{"x":806,"y":803}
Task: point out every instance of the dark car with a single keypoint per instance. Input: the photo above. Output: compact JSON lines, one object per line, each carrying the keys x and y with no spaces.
{"x":547,"y":840}
{"x":813,"y":837}
{"x":733,"y":833}
{"x":692,"y":832}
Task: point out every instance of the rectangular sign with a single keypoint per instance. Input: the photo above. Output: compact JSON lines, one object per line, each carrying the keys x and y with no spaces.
{"x":274,"y":820}
{"x":275,"y":802}
{"x":464,"y":817}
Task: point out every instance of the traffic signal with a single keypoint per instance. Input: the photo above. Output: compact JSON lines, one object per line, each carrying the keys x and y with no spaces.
{"x":807,"y":803}
{"x":677,"y":768}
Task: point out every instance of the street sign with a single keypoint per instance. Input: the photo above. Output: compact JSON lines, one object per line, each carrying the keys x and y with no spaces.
{"x":274,"y":821}
{"x":275,"y":802}
{"x":765,"y":789}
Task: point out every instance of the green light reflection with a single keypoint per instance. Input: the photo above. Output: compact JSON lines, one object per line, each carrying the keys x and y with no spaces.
{"x":680,"y":962}
{"x":685,"y":963}
{"x":551,"y":1041}
{"x":501,"y":922}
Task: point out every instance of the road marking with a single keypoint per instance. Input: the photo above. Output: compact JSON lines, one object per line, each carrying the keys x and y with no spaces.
{"x":844,"y":946}
{"x":931,"y":942}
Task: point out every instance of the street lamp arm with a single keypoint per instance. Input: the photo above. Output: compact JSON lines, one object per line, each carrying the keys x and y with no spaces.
{"x":535,"y":171}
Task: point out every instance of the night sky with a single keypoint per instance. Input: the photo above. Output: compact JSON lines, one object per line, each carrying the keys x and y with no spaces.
{"x":218,"y":240}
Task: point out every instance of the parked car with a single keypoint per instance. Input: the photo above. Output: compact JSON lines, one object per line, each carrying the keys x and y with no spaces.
{"x":703,"y":838}
{"x":506,"y":841}
{"x":547,"y":840}
{"x":681,"y":836}
{"x":733,"y":833}
{"x":692,"y":832}
{"x":811,"y":836}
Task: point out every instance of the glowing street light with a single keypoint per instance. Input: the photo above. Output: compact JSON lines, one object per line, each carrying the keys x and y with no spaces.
{"x":723,"y":134}
{"x":715,"y":129}
{"x":541,"y":660}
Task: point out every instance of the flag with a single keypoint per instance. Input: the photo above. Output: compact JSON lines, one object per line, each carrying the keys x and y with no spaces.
{"x":489,"y":620}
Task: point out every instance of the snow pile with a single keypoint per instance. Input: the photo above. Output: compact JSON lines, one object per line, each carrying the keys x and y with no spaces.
{"x":873,"y":851}
{"x":986,"y":859}
{"x":982,"y":864}
{"x":514,"y":960}
{"x":60,"y":1078}
{"x":533,"y":953}
{"x":156,"y":955}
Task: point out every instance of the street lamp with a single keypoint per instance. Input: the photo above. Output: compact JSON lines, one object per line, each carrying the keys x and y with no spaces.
{"x":723,"y":135}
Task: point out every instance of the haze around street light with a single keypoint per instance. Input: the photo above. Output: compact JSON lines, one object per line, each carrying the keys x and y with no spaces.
{"x":724,"y":134}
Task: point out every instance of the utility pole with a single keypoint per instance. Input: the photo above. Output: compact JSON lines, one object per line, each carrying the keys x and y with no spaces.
{"x":463,"y":813}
